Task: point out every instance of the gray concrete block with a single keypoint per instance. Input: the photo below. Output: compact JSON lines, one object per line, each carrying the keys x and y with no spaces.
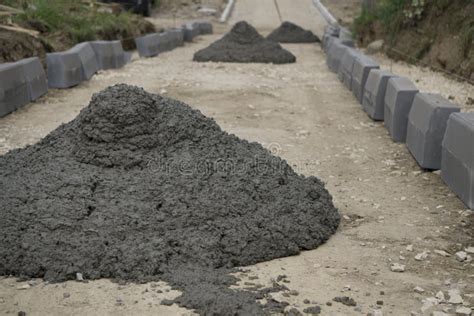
{"x":110,"y":54}
{"x":190,"y":32}
{"x":362,"y":67}
{"x":398,"y":102}
{"x":179,"y":36}
{"x":427,"y":122}
{"x":373,"y":101}
{"x":64,"y":69}
{"x":35,"y":75}
{"x":204,"y":27}
{"x":148,"y":45}
{"x":13,"y":88}
{"x":347,"y":66}
{"x":332,"y":30}
{"x":166,"y":42}
{"x":87,"y":58}
{"x":335,"y":54}
{"x":457,"y":164}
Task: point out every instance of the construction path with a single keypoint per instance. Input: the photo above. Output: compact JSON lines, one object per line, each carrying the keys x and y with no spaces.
{"x":302,"y":113}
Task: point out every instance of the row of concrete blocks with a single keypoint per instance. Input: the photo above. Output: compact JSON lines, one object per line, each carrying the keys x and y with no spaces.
{"x":20,"y":83}
{"x":69,"y":68}
{"x":435,"y":132}
{"x":153,"y":44}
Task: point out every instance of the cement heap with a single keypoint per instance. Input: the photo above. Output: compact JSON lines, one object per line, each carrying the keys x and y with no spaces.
{"x":140,"y":187}
{"x":292,"y":33}
{"x":243,"y":44}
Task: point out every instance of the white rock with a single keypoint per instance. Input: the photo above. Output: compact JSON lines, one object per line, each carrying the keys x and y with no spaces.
{"x":442,"y":253}
{"x":469,"y":250}
{"x":461,"y":256}
{"x":23,"y":287}
{"x":207,"y":11}
{"x":422,"y":256}
{"x":455,"y":296}
{"x":463,"y":311}
{"x":397,"y":267}
{"x":428,"y":303}
{"x":419,"y":290}
{"x":440,"y":296}
{"x":79,"y":277}
{"x":409,"y":248}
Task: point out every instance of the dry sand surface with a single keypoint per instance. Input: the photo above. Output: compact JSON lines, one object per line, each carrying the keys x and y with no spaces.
{"x":392,"y":210}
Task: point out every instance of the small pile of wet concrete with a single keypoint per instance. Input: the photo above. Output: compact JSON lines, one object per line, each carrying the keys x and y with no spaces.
{"x":140,"y":187}
{"x":291,"y":33}
{"x":243,"y":44}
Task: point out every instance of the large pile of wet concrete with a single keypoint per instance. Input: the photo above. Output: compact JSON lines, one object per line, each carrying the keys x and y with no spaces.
{"x":243,"y":44}
{"x":140,"y":187}
{"x":291,"y":33}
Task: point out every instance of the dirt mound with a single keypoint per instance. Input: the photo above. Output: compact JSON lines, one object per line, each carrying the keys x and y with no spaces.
{"x":140,"y":187}
{"x":18,"y":45}
{"x":243,"y":44}
{"x":292,"y":33}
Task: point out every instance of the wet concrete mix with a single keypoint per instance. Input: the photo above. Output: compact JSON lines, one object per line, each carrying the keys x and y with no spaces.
{"x":243,"y":44}
{"x":140,"y":187}
{"x":291,"y":33}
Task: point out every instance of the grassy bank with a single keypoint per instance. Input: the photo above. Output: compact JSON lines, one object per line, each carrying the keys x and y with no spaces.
{"x":439,"y":33}
{"x":63,"y":23}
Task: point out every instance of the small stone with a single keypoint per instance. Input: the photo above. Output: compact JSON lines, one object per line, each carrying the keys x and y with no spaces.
{"x":345,"y":300}
{"x":419,"y":290}
{"x":379,"y":302}
{"x":422,"y":256}
{"x":313,"y":310}
{"x":409,"y":248}
{"x":397,"y":267}
{"x":382,"y":293}
{"x":306,"y":301}
{"x":21,"y":313}
{"x":461,"y":256}
{"x":329,"y":303}
{"x":455,"y":296}
{"x":79,"y":277}
{"x":66,"y":295}
{"x":119,"y":302}
{"x":442,"y":253}
{"x":167,"y":302}
{"x":293,"y":312}
{"x":294,"y":293}
{"x":440,"y":296}
{"x":375,"y":47}
{"x":23,"y":287}
{"x":463,"y":311}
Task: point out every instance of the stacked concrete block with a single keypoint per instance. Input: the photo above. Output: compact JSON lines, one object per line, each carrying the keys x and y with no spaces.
{"x":347,"y":66}
{"x":190,"y":32}
{"x":110,"y":54}
{"x":335,"y":54}
{"x":373,"y":101}
{"x":35,"y":76}
{"x":362,"y":67}
{"x":64,"y":69}
{"x":457,"y":164}
{"x":148,"y":45}
{"x":88,"y":60}
{"x":204,"y":27}
{"x":398,"y":102}
{"x":13,"y":88}
{"x":427,"y":122}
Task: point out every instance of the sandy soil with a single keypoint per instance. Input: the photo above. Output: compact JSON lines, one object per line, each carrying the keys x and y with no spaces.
{"x":302,"y":113}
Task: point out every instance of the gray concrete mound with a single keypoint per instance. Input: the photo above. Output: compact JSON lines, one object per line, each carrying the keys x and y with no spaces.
{"x":243,"y":44}
{"x":292,"y":33}
{"x":140,"y":187}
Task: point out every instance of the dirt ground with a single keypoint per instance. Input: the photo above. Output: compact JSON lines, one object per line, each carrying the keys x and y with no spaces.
{"x":392,"y":210}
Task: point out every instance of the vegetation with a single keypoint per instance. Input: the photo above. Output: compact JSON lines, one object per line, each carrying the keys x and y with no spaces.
{"x":76,"y":21}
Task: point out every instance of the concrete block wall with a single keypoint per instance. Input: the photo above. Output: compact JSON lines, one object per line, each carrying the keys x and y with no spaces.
{"x":435,"y":132}
{"x":360,"y":72}
{"x":398,"y":102}
{"x":13,"y":88}
{"x":35,"y":75}
{"x":427,"y":123}
{"x":457,"y":165}
{"x":64,"y":69}
{"x":373,"y":101}
{"x":88,"y":59}
{"x":148,"y":45}
{"x":110,"y":54}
